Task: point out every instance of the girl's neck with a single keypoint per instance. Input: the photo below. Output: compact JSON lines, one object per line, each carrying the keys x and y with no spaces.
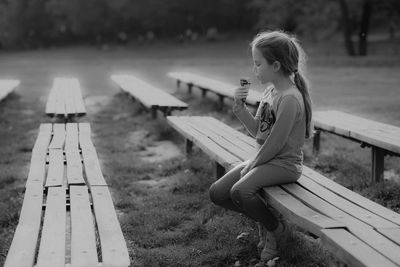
{"x":283,"y":84}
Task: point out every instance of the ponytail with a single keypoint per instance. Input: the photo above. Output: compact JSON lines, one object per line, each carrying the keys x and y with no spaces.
{"x":302,"y":86}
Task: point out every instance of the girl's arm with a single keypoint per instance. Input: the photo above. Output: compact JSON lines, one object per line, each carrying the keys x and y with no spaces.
{"x":244,"y":115}
{"x":286,"y":117}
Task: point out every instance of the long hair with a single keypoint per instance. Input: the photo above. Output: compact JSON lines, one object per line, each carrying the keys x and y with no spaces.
{"x":280,"y":46}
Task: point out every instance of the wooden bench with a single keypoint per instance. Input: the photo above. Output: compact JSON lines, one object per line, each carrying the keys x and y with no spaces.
{"x":384,"y":139}
{"x":357,"y":230}
{"x":65,"y":99}
{"x":150,"y":96}
{"x":7,"y":87}
{"x":220,"y":88}
{"x":67,"y":217}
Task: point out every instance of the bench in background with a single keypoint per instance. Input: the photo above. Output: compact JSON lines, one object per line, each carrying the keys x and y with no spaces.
{"x":357,"y":230}
{"x":7,"y":87}
{"x":384,"y":139}
{"x":65,"y":99}
{"x":150,"y":96}
{"x":220,"y":88}
{"x":67,"y":216}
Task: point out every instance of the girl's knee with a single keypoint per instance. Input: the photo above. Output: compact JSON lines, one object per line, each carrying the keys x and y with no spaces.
{"x":237,"y":196}
{"x":215,"y":194}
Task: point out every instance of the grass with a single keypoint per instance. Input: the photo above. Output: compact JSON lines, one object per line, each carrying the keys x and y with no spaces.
{"x":163,"y":207}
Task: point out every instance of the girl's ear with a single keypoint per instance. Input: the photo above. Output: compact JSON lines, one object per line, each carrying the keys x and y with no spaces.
{"x":276,"y":66}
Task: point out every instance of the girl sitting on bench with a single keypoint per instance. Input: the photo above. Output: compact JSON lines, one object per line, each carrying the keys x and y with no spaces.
{"x":280,"y":126}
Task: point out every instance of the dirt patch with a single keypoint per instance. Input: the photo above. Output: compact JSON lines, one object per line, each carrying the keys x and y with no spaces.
{"x":95,"y":103}
{"x":159,"y":151}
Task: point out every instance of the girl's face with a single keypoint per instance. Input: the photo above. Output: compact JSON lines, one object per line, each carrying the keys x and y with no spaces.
{"x":264,"y":71}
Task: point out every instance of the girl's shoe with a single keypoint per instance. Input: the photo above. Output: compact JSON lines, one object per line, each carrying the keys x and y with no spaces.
{"x":269,"y":250}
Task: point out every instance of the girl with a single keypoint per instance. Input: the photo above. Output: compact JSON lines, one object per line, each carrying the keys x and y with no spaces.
{"x":280,"y":126}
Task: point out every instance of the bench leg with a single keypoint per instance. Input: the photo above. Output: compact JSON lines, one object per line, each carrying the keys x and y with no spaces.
{"x":190,"y":86}
{"x":189,"y":147}
{"x":203,"y":92}
{"x":154,"y":113}
{"x":178,"y":84}
{"x":316,"y":142}
{"x":378,"y":155}
{"x":221,"y":101}
{"x":219,"y":170}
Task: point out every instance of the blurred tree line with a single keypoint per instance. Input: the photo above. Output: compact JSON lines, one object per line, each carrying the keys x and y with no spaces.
{"x":35,"y":23}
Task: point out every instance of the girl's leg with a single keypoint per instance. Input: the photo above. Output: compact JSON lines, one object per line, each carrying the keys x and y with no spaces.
{"x":244,"y":192}
{"x":220,"y":190}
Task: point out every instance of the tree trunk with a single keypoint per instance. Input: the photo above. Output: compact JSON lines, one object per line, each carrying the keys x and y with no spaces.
{"x":364,"y":27}
{"x":347,"y":28}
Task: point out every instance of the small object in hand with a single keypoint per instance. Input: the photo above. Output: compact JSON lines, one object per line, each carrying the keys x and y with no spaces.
{"x":245,"y":83}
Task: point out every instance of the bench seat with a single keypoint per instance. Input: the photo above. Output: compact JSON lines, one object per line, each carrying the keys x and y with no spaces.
{"x":67,"y":216}
{"x":384,"y":139}
{"x":357,"y":230}
{"x":7,"y":87}
{"x":150,"y":96}
{"x":65,"y":99}
{"x":222,"y":89}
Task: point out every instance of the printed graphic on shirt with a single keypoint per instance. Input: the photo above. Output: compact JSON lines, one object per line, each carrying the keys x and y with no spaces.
{"x":268,"y":117}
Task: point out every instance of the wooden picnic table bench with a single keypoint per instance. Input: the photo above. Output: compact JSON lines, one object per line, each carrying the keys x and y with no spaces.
{"x":7,"y":87}
{"x":150,"y":96}
{"x":67,"y":216}
{"x":357,"y":230}
{"x":222,"y":89}
{"x":384,"y":139}
{"x":65,"y":99}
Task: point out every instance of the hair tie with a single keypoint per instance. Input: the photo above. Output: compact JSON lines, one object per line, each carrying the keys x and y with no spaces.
{"x":295,"y":71}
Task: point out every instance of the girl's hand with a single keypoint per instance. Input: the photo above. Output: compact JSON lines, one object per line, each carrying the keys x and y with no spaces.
{"x":240,"y":95}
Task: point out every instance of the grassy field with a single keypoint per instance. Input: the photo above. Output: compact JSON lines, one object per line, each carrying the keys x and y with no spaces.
{"x":146,"y":184}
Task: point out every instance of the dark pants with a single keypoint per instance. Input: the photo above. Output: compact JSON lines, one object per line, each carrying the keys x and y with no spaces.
{"x":240,"y":194}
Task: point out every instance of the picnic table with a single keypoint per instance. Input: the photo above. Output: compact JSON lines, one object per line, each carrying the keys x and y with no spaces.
{"x":65,"y":99}
{"x":67,"y":216}
{"x":384,"y":139}
{"x":205,"y":84}
{"x":7,"y":87}
{"x":151,"y":97}
{"x":357,"y":230}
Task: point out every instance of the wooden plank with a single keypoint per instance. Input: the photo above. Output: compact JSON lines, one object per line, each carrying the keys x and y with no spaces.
{"x":52,"y":99}
{"x":60,"y":99}
{"x":351,"y":250}
{"x":58,"y":136}
{"x":346,"y":206}
{"x":218,"y":87}
{"x":379,"y":242}
{"x":150,"y":96}
{"x":74,"y":167}
{"x":392,"y":234}
{"x":113,"y":246}
{"x":229,"y":130}
{"x":85,"y":140}
{"x":212,"y":149}
{"x":70,"y":109}
{"x":320,"y":205}
{"x":23,"y":247}
{"x":55,"y":172}
{"x":52,"y":244}
{"x":37,"y":171}
{"x":83,"y":238}
{"x":7,"y":87}
{"x":72,"y":138}
{"x":78,"y":98}
{"x":352,"y":196}
{"x":43,"y":140}
{"x":92,"y":168}
{"x":197,"y":124}
{"x":235,"y":145}
{"x":296,"y":212}
{"x":367,"y":131}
